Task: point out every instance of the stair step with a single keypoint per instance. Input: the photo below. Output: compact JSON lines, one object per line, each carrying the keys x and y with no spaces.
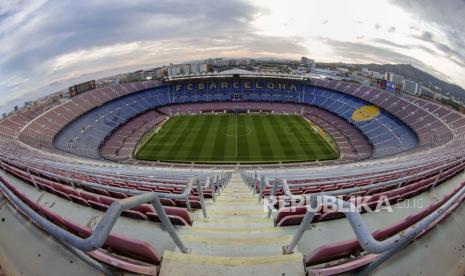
{"x":239,"y":194}
{"x":235,"y":249}
{"x":237,"y":199}
{"x":251,"y":233}
{"x":233,"y":224}
{"x":236,"y":226}
{"x":237,"y":213}
{"x":242,"y":206}
{"x":233,"y":220}
{"x":206,"y":229}
{"x":244,"y":240}
{"x":175,"y":263}
{"x":234,"y":205}
{"x":229,"y":193}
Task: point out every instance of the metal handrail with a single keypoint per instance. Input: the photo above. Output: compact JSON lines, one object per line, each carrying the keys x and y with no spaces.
{"x":202,"y":200}
{"x":383,"y":257}
{"x":77,"y":244}
{"x":186,"y":192}
{"x":263,"y":183}
{"x":208,"y":183}
{"x":69,"y":167}
{"x":117,"y":179}
{"x":376,"y":185}
{"x":104,"y":227}
{"x":361,"y":231}
{"x":388,"y":164}
{"x":283,"y":183}
{"x":183,"y":196}
{"x":358,"y":177}
{"x":286,"y":189}
{"x":87,"y":259}
{"x":415,"y":175}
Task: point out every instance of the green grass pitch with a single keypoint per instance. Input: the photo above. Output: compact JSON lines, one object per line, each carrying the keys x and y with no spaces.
{"x":231,"y":138}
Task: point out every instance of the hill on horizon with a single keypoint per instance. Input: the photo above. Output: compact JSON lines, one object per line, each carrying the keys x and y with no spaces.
{"x":422,"y":77}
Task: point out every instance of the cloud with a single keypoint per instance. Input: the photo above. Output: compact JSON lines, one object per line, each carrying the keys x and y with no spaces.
{"x":375,"y":54}
{"x":48,"y":44}
{"x":426,"y":36}
{"x":371,"y":53}
{"x":447,"y":16}
{"x":390,"y":43}
{"x":7,"y":7}
{"x":447,"y":13}
{"x":44,"y":42}
{"x":454,"y":56}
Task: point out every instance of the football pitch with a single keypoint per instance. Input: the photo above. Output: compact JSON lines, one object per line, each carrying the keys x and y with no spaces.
{"x":236,"y":138}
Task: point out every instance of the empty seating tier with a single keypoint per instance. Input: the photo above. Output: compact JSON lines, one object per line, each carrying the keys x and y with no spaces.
{"x":67,"y":166}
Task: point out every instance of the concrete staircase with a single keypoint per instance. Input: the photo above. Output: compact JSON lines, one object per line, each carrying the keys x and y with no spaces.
{"x":236,"y":239}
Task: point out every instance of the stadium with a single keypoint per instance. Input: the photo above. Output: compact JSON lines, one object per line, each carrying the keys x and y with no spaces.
{"x":234,"y":172}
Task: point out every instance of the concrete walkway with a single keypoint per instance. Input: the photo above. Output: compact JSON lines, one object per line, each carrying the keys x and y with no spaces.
{"x":236,"y":239}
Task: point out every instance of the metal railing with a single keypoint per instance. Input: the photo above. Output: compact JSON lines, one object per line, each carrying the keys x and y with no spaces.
{"x":184,"y":196}
{"x":387,"y":247}
{"x":103,"y":228}
{"x":98,"y":237}
{"x":365,"y":167}
{"x":77,"y":245}
{"x":361,"y":231}
{"x":103,"y":177}
{"x":351,"y":178}
{"x":397,"y":181}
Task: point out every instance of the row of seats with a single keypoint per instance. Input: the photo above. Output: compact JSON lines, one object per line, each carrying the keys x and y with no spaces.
{"x":164,"y":181}
{"x":430,"y":124}
{"x":55,"y":119}
{"x":394,"y":192}
{"x":102,"y":199}
{"x":348,"y":248}
{"x":349,"y":140}
{"x":161,"y":184}
{"x":42,"y":130}
{"x":84,"y":135}
{"x":136,"y":252}
{"x":379,"y":171}
{"x":454,"y":119}
{"x":391,"y":136}
{"x":373,"y":198}
{"x":11,"y":126}
{"x":302,"y":184}
{"x":121,"y":144}
{"x":387,"y":134}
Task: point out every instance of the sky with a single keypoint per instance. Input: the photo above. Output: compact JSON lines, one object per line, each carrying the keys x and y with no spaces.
{"x":47,"y":45}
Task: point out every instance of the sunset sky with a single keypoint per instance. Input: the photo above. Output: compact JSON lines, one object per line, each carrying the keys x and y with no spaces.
{"x":47,"y":45}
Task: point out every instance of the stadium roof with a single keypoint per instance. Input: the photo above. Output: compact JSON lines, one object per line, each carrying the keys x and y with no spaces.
{"x":236,"y":71}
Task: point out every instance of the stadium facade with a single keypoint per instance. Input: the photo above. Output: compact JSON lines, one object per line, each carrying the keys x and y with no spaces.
{"x":74,"y":194}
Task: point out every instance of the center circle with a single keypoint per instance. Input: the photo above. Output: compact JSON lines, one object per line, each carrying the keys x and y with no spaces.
{"x":237,"y":132}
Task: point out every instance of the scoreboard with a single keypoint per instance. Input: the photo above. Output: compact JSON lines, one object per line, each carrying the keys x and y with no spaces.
{"x":390,"y":86}
{"x":81,"y":88}
{"x":381,"y":84}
